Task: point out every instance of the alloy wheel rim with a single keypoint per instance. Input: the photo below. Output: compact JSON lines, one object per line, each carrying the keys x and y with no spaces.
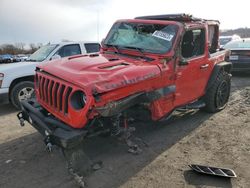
{"x":222,"y":94}
{"x":26,"y":93}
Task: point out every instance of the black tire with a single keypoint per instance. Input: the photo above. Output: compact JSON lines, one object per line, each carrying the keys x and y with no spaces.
{"x":217,"y":95}
{"x":17,"y":90}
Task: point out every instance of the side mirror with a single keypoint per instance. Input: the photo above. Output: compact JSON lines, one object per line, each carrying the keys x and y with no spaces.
{"x":55,"y":57}
{"x":183,"y":62}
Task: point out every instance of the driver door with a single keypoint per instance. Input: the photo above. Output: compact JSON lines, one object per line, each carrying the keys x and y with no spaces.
{"x":194,"y":68}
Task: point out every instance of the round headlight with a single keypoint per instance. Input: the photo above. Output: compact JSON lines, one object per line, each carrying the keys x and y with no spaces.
{"x":78,"y":100}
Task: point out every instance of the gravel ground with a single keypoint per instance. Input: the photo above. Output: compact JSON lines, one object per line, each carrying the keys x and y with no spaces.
{"x":220,"y":139}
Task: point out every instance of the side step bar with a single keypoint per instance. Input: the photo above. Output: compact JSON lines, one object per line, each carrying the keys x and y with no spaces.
{"x":196,"y":105}
{"x":224,"y":172}
{"x":192,"y":106}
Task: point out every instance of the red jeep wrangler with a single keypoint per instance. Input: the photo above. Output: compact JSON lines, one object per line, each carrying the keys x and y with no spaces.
{"x":149,"y":66}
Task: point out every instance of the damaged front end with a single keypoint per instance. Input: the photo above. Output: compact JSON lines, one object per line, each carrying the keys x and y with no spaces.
{"x":55,"y":132}
{"x":116,"y":107}
{"x":65,"y":136}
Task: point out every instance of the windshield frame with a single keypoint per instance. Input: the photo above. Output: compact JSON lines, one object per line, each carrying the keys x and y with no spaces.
{"x":52,"y":46}
{"x":149,"y":22}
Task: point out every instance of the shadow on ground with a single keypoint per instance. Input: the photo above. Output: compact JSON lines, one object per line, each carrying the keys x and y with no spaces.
{"x":25,"y":163}
{"x":7,"y":109}
{"x":201,"y":180}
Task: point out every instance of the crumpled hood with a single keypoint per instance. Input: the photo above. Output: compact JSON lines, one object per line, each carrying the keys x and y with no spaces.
{"x":101,"y":73}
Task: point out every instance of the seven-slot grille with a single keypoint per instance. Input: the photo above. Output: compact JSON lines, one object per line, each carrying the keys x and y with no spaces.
{"x":53,"y":93}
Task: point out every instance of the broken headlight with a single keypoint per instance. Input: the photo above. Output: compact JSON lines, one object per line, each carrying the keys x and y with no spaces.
{"x":78,"y":100}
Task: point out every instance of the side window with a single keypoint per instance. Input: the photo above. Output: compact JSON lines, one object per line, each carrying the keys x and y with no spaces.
{"x":69,"y":50}
{"x":193,"y":43}
{"x":92,"y":47}
{"x":213,"y":38}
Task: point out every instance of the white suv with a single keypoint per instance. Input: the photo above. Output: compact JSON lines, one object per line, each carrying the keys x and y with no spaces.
{"x":16,"y":79}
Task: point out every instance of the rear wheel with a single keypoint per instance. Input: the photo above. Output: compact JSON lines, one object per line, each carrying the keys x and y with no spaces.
{"x":22,"y":91}
{"x":217,"y":95}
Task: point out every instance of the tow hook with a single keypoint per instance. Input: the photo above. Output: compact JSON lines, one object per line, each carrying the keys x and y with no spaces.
{"x":49,"y":147}
{"x":47,"y":142}
{"x":21,"y":120}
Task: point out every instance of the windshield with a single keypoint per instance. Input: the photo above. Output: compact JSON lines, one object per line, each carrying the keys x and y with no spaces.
{"x":153,"y":38}
{"x":42,"y":53}
{"x":238,"y":44}
{"x":224,"y":41}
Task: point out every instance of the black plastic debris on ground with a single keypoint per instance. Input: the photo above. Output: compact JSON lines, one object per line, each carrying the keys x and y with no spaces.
{"x":223,"y":172}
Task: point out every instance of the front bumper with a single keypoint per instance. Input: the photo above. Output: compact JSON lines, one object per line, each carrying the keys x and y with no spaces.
{"x":241,"y":66}
{"x":4,"y":96}
{"x":54,"y":131}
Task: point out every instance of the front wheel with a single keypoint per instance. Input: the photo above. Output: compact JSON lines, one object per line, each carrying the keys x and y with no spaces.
{"x":22,"y":91}
{"x":218,"y":94}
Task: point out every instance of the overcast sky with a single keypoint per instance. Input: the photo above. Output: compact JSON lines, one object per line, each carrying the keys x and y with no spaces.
{"x":42,"y":21}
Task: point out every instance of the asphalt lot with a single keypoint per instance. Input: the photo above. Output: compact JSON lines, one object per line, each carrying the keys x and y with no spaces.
{"x":25,"y":163}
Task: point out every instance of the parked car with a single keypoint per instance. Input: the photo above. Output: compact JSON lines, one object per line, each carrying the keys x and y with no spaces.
{"x":148,"y":67}
{"x":20,"y":57}
{"x":240,"y":54}
{"x":16,"y":79}
{"x":226,"y":39}
{"x":6,"y":58}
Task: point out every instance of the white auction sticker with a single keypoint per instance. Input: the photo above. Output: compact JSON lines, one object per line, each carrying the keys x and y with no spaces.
{"x":162,"y":35}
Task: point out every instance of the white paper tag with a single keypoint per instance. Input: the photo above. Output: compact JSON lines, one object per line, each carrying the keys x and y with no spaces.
{"x":162,"y":35}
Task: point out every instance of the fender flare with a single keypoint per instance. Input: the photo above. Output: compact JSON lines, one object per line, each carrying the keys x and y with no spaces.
{"x":222,"y":66}
{"x":20,"y":79}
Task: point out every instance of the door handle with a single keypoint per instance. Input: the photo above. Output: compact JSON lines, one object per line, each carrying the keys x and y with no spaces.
{"x":204,"y":66}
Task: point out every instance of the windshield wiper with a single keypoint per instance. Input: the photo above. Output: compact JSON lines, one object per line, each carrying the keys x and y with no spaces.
{"x":139,"y":50}
{"x":117,"y":50}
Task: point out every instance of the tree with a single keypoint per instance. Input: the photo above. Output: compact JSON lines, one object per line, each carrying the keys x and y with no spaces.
{"x":20,"y":45}
{"x":8,"y":49}
{"x":32,"y":46}
{"x":19,"y":48}
{"x":39,"y":45}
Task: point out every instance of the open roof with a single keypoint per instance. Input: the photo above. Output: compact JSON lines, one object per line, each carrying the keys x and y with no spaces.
{"x":173,"y":17}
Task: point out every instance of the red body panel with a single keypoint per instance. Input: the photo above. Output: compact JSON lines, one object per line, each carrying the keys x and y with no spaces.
{"x":115,"y":77}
